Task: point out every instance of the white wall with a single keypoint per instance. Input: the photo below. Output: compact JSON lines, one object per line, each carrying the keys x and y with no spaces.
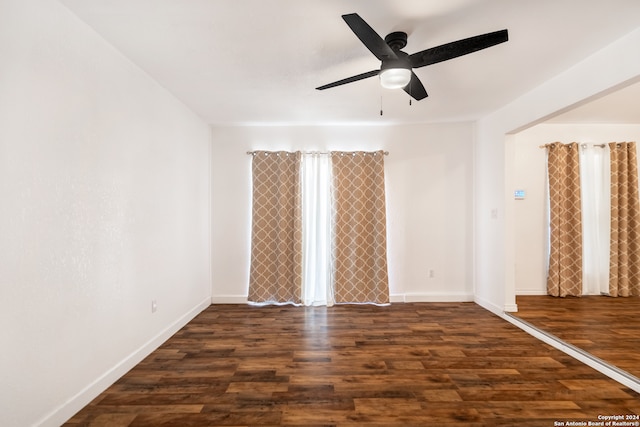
{"x":529,"y":174}
{"x":494,"y":247}
{"x":429,"y":202}
{"x":104,"y":206}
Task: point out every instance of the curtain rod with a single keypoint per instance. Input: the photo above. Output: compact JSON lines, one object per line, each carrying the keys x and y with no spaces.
{"x":582,"y":145}
{"x":386,"y":153}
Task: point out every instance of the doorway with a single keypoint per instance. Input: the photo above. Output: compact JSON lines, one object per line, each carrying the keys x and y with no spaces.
{"x":611,"y":118}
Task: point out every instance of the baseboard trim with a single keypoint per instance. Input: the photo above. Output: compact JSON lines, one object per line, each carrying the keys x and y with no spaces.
{"x":428,"y":297}
{"x":487,"y":305}
{"x":393,"y":298}
{"x":229,"y":299}
{"x":511,"y":308}
{"x":524,"y":292}
{"x":68,"y":409}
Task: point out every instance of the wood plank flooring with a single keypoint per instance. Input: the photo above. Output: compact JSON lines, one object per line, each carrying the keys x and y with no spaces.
{"x":608,"y":328}
{"x":415,"y":364}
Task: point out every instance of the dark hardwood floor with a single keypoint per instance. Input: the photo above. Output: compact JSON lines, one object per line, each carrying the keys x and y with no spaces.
{"x":608,"y":328}
{"x":415,"y":364}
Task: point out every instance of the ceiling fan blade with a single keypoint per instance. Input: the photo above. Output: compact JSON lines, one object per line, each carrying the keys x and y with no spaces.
{"x":350,"y":79}
{"x":369,"y":37}
{"x":458,"y":48}
{"x":415,"y":89}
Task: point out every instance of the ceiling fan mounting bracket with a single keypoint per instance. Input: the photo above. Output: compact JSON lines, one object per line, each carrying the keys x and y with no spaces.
{"x":396,"y":40}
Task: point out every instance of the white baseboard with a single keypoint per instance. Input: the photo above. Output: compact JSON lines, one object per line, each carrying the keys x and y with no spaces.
{"x":433,"y":297}
{"x":530,"y":292}
{"x":487,"y":305}
{"x":511,"y":308}
{"x":393,"y":298}
{"x":397,"y":298}
{"x":61,"y":414}
{"x":229,"y":299}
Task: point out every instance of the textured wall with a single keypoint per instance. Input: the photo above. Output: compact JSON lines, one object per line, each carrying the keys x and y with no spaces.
{"x":104,"y":207}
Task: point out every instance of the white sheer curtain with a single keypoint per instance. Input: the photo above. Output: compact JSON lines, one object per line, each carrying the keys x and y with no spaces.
{"x":596,"y":218}
{"x":316,"y":229}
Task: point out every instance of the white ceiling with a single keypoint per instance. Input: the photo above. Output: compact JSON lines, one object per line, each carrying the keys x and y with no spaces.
{"x":258,"y":61}
{"x":614,"y":107}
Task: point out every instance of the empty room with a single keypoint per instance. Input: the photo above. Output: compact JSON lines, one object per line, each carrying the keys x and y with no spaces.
{"x":343,"y":212}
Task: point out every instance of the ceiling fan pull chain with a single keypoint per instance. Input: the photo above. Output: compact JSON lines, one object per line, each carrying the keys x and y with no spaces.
{"x":380,"y":104}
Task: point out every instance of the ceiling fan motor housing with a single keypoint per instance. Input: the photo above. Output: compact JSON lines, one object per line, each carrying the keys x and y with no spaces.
{"x":402,"y":61}
{"x":396,"y":40}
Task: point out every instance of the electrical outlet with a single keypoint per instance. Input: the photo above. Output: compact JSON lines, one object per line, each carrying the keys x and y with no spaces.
{"x":432,"y":273}
{"x":154,"y":306}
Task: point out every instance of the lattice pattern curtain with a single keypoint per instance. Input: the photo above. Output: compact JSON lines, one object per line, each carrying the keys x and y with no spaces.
{"x":565,"y":258}
{"x":624,"y":257}
{"x":359,"y":242}
{"x":296,"y":222}
{"x":276,"y":243}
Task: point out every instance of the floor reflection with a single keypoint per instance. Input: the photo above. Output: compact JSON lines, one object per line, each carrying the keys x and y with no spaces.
{"x":608,"y":328}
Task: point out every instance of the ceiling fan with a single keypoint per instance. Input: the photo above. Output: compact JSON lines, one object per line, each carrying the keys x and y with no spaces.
{"x":396,"y":70}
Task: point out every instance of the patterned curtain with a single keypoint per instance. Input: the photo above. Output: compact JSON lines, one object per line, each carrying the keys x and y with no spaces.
{"x":565,"y":258}
{"x":276,"y":234}
{"x":360,"y":237}
{"x":624,"y":257}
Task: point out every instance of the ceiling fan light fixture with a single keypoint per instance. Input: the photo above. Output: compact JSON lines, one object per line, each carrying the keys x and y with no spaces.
{"x":395,"y":78}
